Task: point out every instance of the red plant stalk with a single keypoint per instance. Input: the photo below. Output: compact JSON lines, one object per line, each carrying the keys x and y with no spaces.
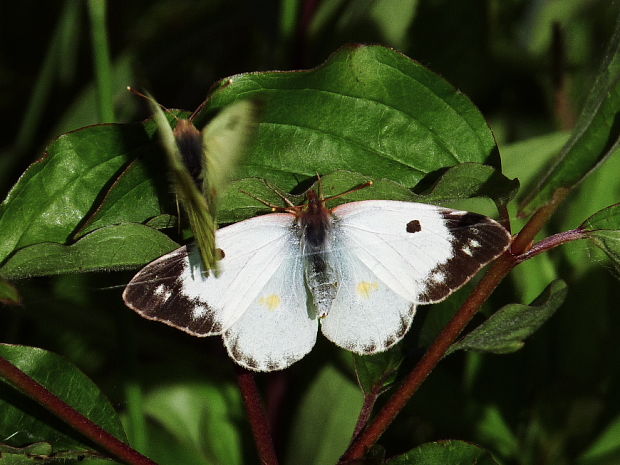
{"x":37,"y":392}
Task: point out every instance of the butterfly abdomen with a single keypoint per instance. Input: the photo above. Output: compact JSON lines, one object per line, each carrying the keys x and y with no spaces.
{"x":316,"y":223}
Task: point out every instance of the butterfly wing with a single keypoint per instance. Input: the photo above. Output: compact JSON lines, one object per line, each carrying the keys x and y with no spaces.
{"x":257,"y":301}
{"x":394,"y":255}
{"x":366,"y":315}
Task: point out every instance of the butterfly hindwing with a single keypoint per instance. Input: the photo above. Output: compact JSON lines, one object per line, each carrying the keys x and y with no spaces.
{"x":366,"y":316}
{"x":277,"y":329}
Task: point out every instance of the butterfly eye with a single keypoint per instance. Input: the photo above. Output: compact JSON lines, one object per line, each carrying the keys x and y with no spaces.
{"x":219,"y":254}
{"x":414,"y":226}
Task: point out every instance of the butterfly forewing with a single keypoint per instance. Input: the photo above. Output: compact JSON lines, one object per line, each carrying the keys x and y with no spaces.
{"x":176,"y":290}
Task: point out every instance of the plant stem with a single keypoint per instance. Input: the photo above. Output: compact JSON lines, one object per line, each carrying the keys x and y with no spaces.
{"x":113,"y":446}
{"x":498,"y":271}
{"x":369,"y":402}
{"x":101,"y":57}
{"x":551,"y":242}
{"x":257,"y":417}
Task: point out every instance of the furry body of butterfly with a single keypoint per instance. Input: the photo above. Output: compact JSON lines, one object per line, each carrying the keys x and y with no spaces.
{"x":358,"y":270}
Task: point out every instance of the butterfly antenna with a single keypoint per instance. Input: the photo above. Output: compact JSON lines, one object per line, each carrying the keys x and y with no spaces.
{"x":197,"y":110}
{"x":150,"y":98}
{"x":266,"y":203}
{"x":354,"y":189}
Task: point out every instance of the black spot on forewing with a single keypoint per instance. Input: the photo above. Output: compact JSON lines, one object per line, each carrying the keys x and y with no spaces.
{"x":414,"y":226}
{"x":156,"y":293}
{"x":475,"y":240}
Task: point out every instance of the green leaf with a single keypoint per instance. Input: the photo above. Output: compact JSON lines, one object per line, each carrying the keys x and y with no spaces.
{"x":201,"y":416}
{"x":596,"y":135}
{"x":53,"y":196}
{"x":494,"y":430}
{"x":464,"y":181}
{"x":132,"y":198}
{"x":393,"y":18}
{"x":603,"y":229}
{"x":40,"y":452}
{"x":33,"y":453}
{"x":444,"y":453}
{"x":506,"y":329}
{"x":376,"y":372}
{"x":8,"y":293}
{"x":605,"y":449}
{"x":114,"y":247}
{"x":526,"y":158}
{"x":368,"y":109}
{"x":325,"y":419}
{"x":23,"y":421}
{"x":472,"y":180}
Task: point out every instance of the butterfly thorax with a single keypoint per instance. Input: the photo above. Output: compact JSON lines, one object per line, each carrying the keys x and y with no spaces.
{"x":189,"y":141}
{"x":316,"y":228}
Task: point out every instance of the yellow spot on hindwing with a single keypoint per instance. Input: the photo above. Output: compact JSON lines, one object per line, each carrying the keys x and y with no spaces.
{"x":272,"y":301}
{"x":365,"y":288}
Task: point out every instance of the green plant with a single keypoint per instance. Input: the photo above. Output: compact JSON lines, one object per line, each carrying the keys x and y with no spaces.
{"x":98,"y":202}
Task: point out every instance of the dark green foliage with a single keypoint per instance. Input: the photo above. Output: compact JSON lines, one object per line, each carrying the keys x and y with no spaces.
{"x":474,"y":113}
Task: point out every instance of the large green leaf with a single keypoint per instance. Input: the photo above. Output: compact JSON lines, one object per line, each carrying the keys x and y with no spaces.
{"x":605,"y":449}
{"x":133,"y":197}
{"x":24,"y":422}
{"x":368,"y":109}
{"x":376,"y":372}
{"x":507,"y":328}
{"x":114,"y":247}
{"x":464,"y":181}
{"x":596,"y":135}
{"x":324,"y":421}
{"x":603,"y":228}
{"x":445,"y":453}
{"x":56,"y":192}
{"x":201,"y":416}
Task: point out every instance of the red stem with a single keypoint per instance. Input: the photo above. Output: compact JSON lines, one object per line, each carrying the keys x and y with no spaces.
{"x":257,"y":417}
{"x":113,"y":446}
{"x":552,"y":242}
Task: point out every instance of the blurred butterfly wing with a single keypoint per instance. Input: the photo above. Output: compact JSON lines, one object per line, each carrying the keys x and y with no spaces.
{"x":422,"y":252}
{"x":225,"y":144}
{"x":201,"y":219}
{"x":258,"y":301}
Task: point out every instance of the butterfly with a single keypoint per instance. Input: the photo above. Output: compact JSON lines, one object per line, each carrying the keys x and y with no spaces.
{"x":358,"y":271}
{"x":201,"y":163}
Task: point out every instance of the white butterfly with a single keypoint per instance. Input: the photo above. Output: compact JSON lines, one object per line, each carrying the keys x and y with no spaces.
{"x":358,"y":271}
